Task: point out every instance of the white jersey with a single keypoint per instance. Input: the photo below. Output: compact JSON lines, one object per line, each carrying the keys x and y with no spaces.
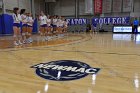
{"x":55,"y":21}
{"x":48,"y":22}
{"x":30,"y":21}
{"x":60,"y":23}
{"x":65,"y":23}
{"x":43,"y":20}
{"x":16,"y":18}
{"x":24,"y":19}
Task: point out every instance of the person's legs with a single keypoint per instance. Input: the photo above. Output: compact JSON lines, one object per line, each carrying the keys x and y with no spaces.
{"x":15,"y":35}
{"x":133,"y":29}
{"x":19,"y":36}
{"x":24,"y":31}
{"x":30,"y":34}
{"x":49,"y":33}
{"x":136,"y":29}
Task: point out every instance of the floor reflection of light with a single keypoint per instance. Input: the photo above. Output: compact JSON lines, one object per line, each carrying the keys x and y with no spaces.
{"x":46,"y":87}
{"x":137,"y":39}
{"x":125,"y":37}
{"x":89,"y":91}
{"x":136,"y":82}
{"x":94,"y":79}
{"x":59,"y":75}
{"x":38,"y":91}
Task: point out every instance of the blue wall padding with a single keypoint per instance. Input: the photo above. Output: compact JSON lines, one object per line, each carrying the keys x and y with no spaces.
{"x":1,"y":24}
{"x":35,"y":26}
{"x":7,"y":24}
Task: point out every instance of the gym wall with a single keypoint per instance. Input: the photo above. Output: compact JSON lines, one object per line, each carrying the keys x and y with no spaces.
{"x":66,"y":8}
{"x":39,"y":6}
{"x":10,"y":4}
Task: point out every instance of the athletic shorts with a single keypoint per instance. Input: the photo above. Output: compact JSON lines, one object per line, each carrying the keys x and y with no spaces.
{"x":24,"y":25}
{"x":61,"y":26}
{"x":29,"y":26}
{"x":45,"y":25}
{"x":16,"y":25}
{"x":49,"y":26}
{"x":54,"y":25}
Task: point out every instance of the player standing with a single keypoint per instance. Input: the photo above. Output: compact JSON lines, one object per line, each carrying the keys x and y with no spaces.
{"x":65,"y":26}
{"x":60,"y":25}
{"x":30,"y":22}
{"x":43,"y":25}
{"x":54,"y":22}
{"x":24,"y":24}
{"x":16,"y":26}
{"x":49,"y":28}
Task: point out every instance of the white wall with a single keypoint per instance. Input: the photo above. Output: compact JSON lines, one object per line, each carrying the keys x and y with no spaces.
{"x":67,"y":7}
{"x":39,"y":6}
{"x":136,"y":5}
{"x":25,"y":4}
{"x":136,"y":10}
{"x":64,"y":7}
{"x":82,"y":7}
{"x":10,"y":4}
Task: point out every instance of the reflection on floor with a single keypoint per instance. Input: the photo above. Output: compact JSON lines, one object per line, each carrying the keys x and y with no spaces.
{"x":7,"y":41}
{"x":127,"y":37}
{"x":118,"y":56}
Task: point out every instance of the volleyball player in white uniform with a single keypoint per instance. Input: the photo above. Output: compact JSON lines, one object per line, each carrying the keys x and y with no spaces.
{"x":30,"y":22}
{"x":54,"y":23}
{"x":60,"y":25}
{"x":24,"y":24}
{"x":49,"y":28}
{"x":43,"y":25}
{"x":65,"y":25}
{"x":16,"y":26}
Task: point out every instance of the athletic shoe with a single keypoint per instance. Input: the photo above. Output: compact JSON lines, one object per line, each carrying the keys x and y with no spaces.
{"x":43,"y":39}
{"x":27,"y":41}
{"x":30,"y":40}
{"x":62,"y":35}
{"x":24,"y":42}
{"x":20,"y":42}
{"x":16,"y":44}
{"x":49,"y":38}
{"x":46,"y":38}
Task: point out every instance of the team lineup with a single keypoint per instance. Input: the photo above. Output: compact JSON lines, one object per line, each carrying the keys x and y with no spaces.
{"x":50,"y":26}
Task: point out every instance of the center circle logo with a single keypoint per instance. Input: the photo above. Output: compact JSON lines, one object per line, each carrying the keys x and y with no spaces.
{"x":64,"y":70}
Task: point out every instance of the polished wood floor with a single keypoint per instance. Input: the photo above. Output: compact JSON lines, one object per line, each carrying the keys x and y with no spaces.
{"x":118,"y":56}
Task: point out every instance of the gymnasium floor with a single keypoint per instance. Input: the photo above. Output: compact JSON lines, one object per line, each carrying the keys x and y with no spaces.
{"x":118,"y":56}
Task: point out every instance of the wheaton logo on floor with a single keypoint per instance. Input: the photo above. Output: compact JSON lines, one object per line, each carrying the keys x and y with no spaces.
{"x":64,"y":70}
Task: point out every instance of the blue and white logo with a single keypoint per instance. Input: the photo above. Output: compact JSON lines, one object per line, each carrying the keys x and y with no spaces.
{"x":64,"y":70}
